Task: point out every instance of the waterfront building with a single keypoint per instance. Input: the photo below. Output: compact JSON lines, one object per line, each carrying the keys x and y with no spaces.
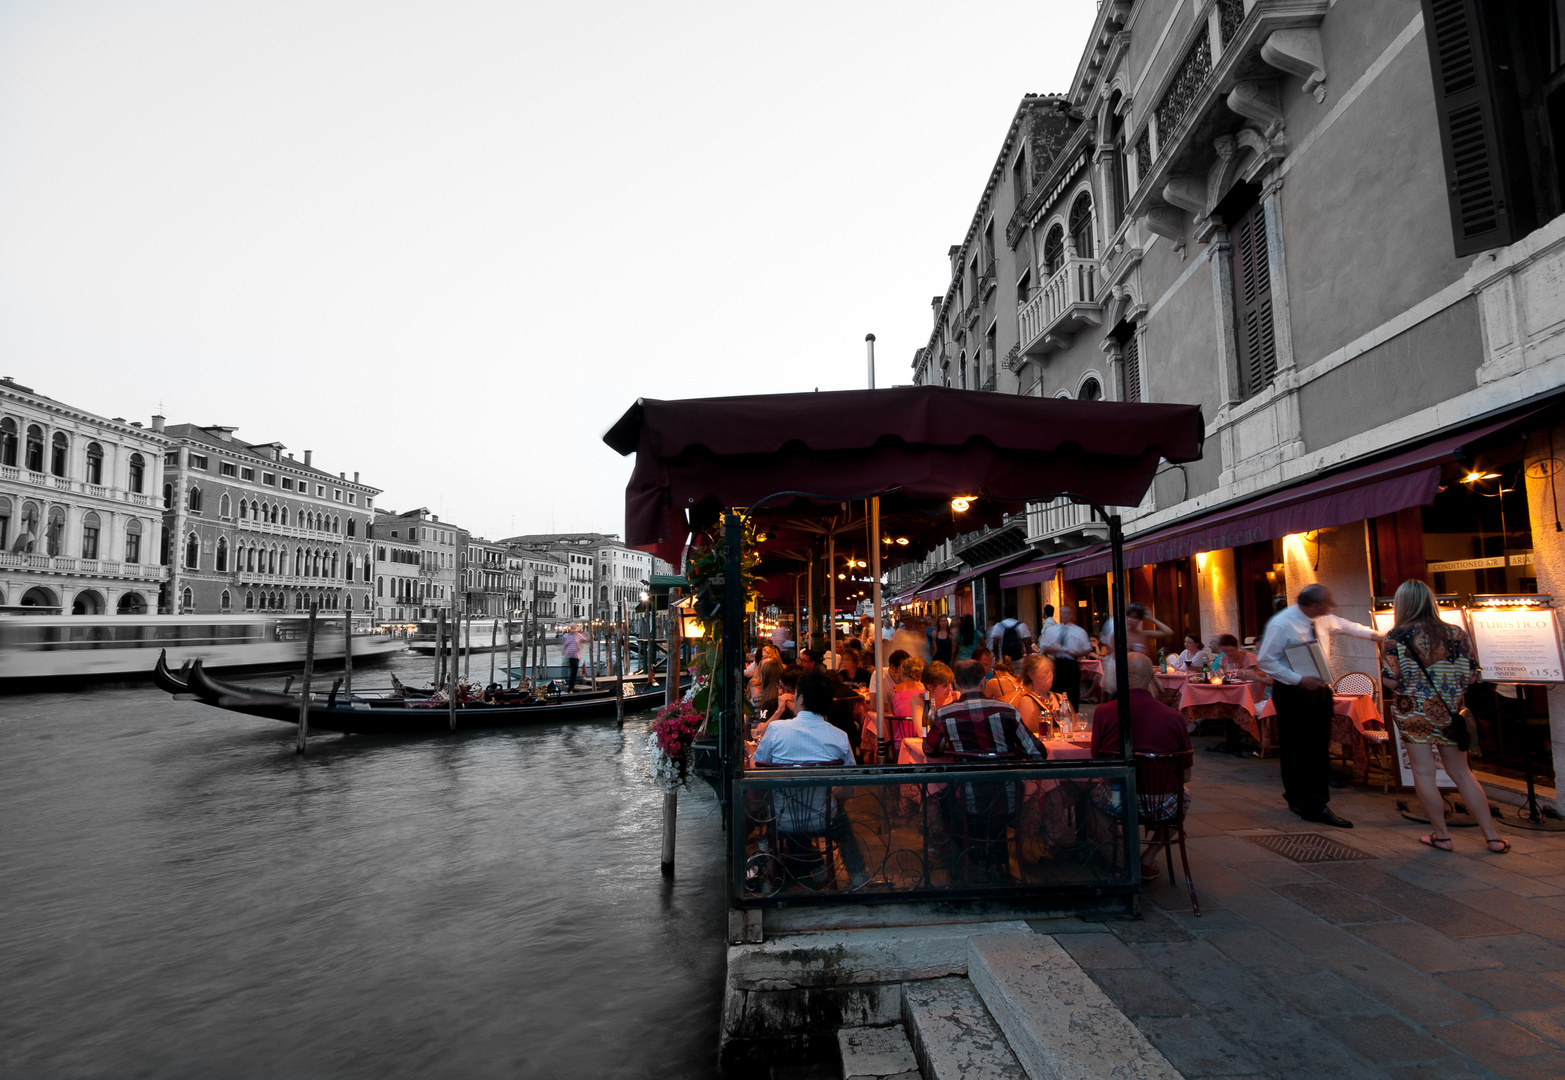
{"x":247,"y":528}
{"x":440,"y":546}
{"x":488,"y":583}
{"x":399,"y":587}
{"x":602,"y":572}
{"x":80,"y":528}
{"x":1338,"y":229}
{"x":545,"y":580}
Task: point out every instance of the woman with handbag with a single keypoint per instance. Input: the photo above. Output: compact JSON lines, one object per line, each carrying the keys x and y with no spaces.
{"x":1426,"y":669}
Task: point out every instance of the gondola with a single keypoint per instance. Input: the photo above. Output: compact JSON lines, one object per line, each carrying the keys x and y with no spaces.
{"x":169,"y":681}
{"x":397,"y":716}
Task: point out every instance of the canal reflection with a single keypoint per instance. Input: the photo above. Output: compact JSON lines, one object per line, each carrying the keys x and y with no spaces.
{"x":183,"y":896}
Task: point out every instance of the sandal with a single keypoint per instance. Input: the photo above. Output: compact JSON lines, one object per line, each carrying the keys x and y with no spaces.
{"x":1505,"y":845}
{"x":1151,"y":873}
{"x":1441,"y":843}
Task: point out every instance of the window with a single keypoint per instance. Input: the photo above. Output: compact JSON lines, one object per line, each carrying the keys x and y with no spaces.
{"x":54,"y":532}
{"x":221,"y":564}
{"x":1019,"y":179}
{"x":187,"y":600}
{"x":1090,"y":391}
{"x":249,"y":601}
{"x":352,"y":531}
{"x":34,"y":448}
{"x":225,"y":508}
{"x":171,"y":459}
{"x":287,"y":483}
{"x":1253,"y":328}
{"x":5,"y":522}
{"x":247,"y":475}
{"x":90,"y":529}
{"x":226,"y":603}
{"x":250,"y":561}
{"x":320,"y":491}
{"x":60,"y":454}
{"x":94,"y":463}
{"x":1132,"y":361}
{"x":193,"y":552}
{"x":168,"y":496}
{"x":198,"y":461}
{"x":244,"y":510}
{"x":1499,"y":87}
{"x":7,"y":441}
{"x":195,"y":500}
{"x":353,"y":500}
{"x":133,"y":541}
{"x":227,"y":468}
{"x":1081,"y":226}
{"x":269,"y":479}
{"x":336,"y":493}
{"x":1053,"y":251}
{"x":138,"y":473}
{"x":284,"y":515}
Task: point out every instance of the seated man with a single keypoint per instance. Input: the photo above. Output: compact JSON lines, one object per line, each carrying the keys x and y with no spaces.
{"x":808,"y":739}
{"x":1154,"y":729}
{"x":852,"y":669}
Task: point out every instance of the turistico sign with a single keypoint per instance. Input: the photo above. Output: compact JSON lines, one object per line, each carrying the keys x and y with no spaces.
{"x":1517,"y":646}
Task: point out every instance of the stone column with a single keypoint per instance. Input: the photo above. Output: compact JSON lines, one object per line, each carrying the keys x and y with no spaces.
{"x":1339,"y":559}
{"x":1545,"y":475}
{"x":1217,"y":591}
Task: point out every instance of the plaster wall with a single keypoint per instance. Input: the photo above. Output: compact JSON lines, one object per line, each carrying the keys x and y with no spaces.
{"x":1548,"y":553}
{"x":1178,"y":348}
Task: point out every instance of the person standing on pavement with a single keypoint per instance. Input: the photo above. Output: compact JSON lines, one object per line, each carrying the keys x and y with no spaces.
{"x":1009,"y":637}
{"x":1303,"y":702}
{"x":570,"y":646}
{"x":1066,"y":643}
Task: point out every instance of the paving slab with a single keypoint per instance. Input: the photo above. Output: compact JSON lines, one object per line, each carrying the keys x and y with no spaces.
{"x":876,"y":1053}
{"x":1423,"y":948}
{"x":1505,"y":990}
{"x":952,"y":1034}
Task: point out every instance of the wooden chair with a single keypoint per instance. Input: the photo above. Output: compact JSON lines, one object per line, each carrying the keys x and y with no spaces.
{"x":1161,"y":805}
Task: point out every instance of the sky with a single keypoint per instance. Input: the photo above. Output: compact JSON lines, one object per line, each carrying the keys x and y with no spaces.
{"x":447,"y":245}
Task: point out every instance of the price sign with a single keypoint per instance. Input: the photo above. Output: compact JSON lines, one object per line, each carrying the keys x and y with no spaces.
{"x":1517,"y":646}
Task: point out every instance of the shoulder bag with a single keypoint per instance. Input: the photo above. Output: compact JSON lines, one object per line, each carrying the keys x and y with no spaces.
{"x":1463,"y":728}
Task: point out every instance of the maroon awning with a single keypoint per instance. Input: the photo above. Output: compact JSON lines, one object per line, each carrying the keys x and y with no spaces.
{"x":1041,"y":570}
{"x":1368,"y":491}
{"x":916,"y":447}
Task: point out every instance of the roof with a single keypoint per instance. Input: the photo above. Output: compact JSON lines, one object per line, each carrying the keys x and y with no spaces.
{"x":196,"y":433}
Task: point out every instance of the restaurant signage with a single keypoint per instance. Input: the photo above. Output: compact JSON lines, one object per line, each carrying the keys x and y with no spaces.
{"x":1494,"y":562}
{"x":1517,"y":646}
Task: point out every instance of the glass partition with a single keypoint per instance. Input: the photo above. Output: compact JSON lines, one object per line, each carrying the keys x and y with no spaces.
{"x":838,"y":834}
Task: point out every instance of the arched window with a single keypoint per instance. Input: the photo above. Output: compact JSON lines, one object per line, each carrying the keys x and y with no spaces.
{"x":193,"y":552}
{"x":7,"y":441}
{"x":298,"y":562}
{"x":195,"y":500}
{"x":168,"y":496}
{"x":225,"y":508}
{"x":138,"y":473}
{"x":54,"y":532}
{"x":255,"y":509}
{"x":1053,"y":251}
{"x":250,"y":561}
{"x":133,"y":541}
{"x":1090,"y":391}
{"x":1081,"y":226}
{"x":187,"y":601}
{"x":28,"y":531}
{"x":94,"y":463}
{"x":271,"y":561}
{"x":285,"y":515}
{"x":351,"y":529}
{"x":226,"y":603}
{"x":249,"y":601}
{"x":334,"y":566}
{"x":34,"y":448}
{"x":380,"y":586}
{"x":90,"y":530}
{"x":5,"y":522}
{"x":336,"y":525}
{"x":60,"y":455}
{"x":244,"y":509}
{"x":222,"y":554}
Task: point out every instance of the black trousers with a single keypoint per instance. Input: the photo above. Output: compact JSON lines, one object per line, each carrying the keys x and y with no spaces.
{"x":1067,"y":679}
{"x":573,"y":663}
{"x":1303,"y":738}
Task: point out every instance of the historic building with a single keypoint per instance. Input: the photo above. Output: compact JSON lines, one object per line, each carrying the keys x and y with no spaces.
{"x":544,"y":583}
{"x":440,"y":546}
{"x":601,"y":572}
{"x":249,"y":528}
{"x":1337,"y":228}
{"x":80,"y":528}
{"x":399,"y":587}
{"x":489,"y":584}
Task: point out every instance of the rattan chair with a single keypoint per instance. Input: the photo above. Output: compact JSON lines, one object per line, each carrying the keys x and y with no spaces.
{"x":1162,"y":812}
{"x":1377,"y":739}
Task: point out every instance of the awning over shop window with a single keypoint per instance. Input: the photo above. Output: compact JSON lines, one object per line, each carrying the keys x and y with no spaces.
{"x":949,"y":588}
{"x":1396,"y":483}
{"x":1041,"y":570}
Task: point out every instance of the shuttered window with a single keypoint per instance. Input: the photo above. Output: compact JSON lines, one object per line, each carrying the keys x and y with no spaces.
{"x":1257,"y":339}
{"x":1133,"y":367}
{"x":1481,"y":214}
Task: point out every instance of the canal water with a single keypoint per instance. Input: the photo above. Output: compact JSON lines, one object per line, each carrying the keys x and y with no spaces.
{"x":183,"y":896}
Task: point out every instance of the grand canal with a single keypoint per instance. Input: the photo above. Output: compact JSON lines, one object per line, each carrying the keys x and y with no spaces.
{"x":183,"y":896}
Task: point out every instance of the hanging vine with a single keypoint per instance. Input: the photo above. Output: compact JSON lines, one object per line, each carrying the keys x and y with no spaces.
{"x":704,"y":570}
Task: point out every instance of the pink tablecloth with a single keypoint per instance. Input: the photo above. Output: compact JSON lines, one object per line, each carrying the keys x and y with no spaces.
{"x":1092,"y":678}
{"x":1350,"y":715}
{"x":1239,"y":701}
{"x":912,"y":753}
{"x":1171,"y":686}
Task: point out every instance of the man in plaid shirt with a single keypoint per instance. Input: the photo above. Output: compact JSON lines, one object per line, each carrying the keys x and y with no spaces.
{"x":979,"y":725}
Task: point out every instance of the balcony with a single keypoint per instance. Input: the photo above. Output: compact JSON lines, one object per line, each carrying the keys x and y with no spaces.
{"x":1066,"y":303}
{"x":63,"y":564}
{"x":1063,"y":525}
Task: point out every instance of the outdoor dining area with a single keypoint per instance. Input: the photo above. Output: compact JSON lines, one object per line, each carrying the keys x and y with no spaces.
{"x":765,"y":487}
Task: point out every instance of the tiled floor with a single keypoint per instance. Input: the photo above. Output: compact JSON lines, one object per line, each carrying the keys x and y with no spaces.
{"x":1416,"y":963}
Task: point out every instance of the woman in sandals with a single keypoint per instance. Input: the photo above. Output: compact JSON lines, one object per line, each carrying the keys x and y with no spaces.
{"x":1427,"y":667}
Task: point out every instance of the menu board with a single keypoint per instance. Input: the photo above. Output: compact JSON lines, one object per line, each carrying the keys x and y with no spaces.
{"x":1382,"y":621}
{"x":1517,"y":646}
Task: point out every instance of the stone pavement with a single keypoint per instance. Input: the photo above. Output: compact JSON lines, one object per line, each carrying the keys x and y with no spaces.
{"x":1415,"y":963}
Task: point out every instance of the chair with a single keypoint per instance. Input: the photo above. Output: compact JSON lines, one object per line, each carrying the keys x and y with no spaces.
{"x":1161,"y":803}
{"x":1379,"y":739}
{"x":801,"y":823}
{"x":982,"y":813}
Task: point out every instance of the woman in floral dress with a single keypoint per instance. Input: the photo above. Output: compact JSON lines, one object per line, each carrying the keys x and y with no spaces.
{"x":1423,"y":706}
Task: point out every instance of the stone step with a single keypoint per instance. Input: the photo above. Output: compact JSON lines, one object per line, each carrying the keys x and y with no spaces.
{"x":953,"y":1035}
{"x":1058,"y":1023}
{"x":876,"y":1053}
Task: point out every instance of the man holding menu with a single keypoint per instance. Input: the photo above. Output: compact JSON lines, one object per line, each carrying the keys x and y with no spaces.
{"x":1303,"y":699}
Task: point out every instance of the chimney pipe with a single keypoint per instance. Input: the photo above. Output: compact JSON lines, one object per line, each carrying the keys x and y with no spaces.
{"x":355,"y":476}
{"x":869,"y":344}
{"x":307,"y":455}
{"x":157,"y":421}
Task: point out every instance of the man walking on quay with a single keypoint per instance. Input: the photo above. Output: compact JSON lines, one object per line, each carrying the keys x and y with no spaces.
{"x":1303,"y":701}
{"x":571,"y":645}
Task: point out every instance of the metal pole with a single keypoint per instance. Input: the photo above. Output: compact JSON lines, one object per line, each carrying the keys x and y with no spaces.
{"x":1122,"y":688}
{"x":831,"y":596}
{"x":671,"y":675}
{"x":304,"y":693}
{"x":467,"y":647}
{"x":798,"y":620}
{"x":869,"y":344}
{"x":732,"y":731}
{"x":619,"y":681}
{"x":880,"y":639}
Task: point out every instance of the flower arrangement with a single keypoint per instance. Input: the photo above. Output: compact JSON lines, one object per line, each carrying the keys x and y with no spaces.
{"x":673,"y":733}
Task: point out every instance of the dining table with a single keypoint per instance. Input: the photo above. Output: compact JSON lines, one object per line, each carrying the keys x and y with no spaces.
{"x":1171,"y":686}
{"x":1091,"y":678}
{"x":1240,"y":702}
{"x":1351,"y":716}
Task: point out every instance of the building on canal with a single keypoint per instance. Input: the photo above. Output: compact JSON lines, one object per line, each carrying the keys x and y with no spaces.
{"x":440,"y":546}
{"x":602,"y":572}
{"x":247,"y":528}
{"x":489,"y":585}
{"x":80,"y":528}
{"x":1336,"y":227}
{"x":545,"y":584}
{"x":399,"y":587}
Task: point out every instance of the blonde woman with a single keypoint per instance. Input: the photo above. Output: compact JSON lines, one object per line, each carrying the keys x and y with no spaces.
{"x":1426,"y":669}
{"x":1037,"y":700}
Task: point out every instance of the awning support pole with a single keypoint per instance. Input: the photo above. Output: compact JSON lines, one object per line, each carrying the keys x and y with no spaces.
{"x":1122,"y":688}
{"x":880,"y":638}
{"x":731,"y":731}
{"x":831,"y":597}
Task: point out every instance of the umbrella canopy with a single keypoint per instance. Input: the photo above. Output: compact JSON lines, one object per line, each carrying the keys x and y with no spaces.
{"x":916,"y":447}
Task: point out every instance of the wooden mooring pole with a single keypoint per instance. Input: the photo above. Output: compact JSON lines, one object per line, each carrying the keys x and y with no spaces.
{"x":440,"y":648}
{"x":347,"y":653}
{"x":456,"y":664}
{"x":619,"y":680}
{"x":304,"y":693}
{"x":671,"y":695}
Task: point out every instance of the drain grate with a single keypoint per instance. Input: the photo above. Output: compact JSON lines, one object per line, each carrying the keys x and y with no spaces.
{"x":1308,"y":847}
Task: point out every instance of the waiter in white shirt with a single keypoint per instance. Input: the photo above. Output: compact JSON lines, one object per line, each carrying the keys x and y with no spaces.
{"x":1304,"y":702}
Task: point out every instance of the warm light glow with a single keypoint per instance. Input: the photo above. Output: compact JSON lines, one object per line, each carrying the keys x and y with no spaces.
{"x":902,"y":540}
{"x":760,"y":538}
{"x":960,"y":503}
{"x":1200,"y":561}
{"x":842,"y":577}
{"x":1474,"y":477}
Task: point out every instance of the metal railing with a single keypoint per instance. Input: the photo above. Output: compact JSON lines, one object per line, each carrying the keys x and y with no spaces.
{"x":1059,"y":516}
{"x":931,"y":832}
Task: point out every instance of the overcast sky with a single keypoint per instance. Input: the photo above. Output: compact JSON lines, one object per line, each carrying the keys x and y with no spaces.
{"x":448,"y":244}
